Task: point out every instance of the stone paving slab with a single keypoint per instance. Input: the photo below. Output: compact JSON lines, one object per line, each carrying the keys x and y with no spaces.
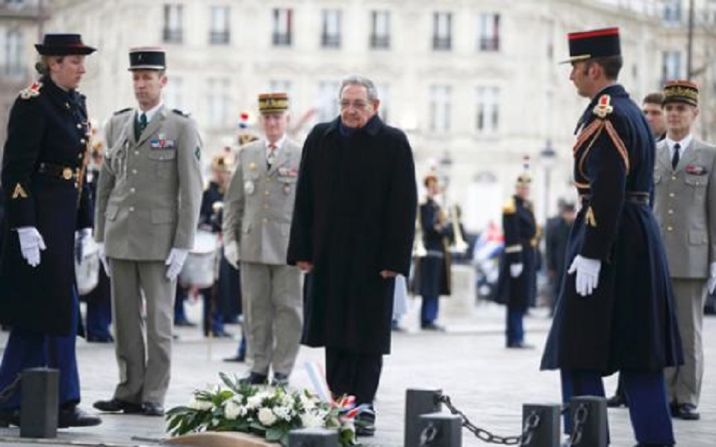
{"x":469,"y":363}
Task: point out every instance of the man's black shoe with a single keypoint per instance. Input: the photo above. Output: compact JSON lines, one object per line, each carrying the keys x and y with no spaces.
{"x":75,"y":417}
{"x":9,"y":417}
{"x":365,"y":422}
{"x":686,"y":412}
{"x":116,"y":405}
{"x":254,"y":379}
{"x":184,"y":323}
{"x":432,"y":327}
{"x":236,"y":358}
{"x":616,"y":401}
{"x":100,"y":339}
{"x":519,"y":345}
{"x":279,"y":380}
{"x":152,"y":409}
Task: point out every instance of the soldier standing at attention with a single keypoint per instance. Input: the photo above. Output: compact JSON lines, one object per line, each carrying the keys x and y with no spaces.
{"x":517,"y":283}
{"x":148,"y":200}
{"x":685,"y":207}
{"x":615,"y":311}
{"x":45,"y":148}
{"x":257,"y":219}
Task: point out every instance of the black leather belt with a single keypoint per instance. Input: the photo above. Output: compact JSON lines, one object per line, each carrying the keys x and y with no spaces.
{"x":63,"y":172}
{"x":638,"y":197}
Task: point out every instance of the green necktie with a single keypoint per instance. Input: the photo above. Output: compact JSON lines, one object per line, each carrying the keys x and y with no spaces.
{"x":139,"y":125}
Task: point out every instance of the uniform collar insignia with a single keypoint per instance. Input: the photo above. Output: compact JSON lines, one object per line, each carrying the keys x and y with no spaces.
{"x":31,"y":91}
{"x":603,"y":107}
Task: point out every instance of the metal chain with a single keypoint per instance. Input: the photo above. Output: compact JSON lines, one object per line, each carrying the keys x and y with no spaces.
{"x":9,"y":390}
{"x":530,"y":425}
{"x":580,"y":417}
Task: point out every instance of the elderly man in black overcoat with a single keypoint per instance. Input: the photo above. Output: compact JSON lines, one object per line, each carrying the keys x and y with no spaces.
{"x":45,"y":203}
{"x":615,"y":311}
{"x":352,"y":229}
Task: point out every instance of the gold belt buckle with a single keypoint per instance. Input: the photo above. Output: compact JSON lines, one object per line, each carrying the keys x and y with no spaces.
{"x":67,"y":173}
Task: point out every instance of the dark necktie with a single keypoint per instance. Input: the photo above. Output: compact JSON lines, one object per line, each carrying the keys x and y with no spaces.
{"x":139,"y":125}
{"x":271,"y":157}
{"x":676,"y":156}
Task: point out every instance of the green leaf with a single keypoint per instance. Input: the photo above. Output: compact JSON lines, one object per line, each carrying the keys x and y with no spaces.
{"x":274,"y":434}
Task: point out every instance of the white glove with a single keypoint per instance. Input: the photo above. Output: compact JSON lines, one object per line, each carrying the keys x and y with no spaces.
{"x":175,"y":261}
{"x":231,"y":253}
{"x":82,"y":238}
{"x":587,"y":274}
{"x":516,"y":270}
{"x":31,"y":243}
{"x":103,"y":257}
{"x":711,"y":284}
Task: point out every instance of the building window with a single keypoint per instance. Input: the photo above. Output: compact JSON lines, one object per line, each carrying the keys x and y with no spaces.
{"x":672,"y":11}
{"x":442,"y":31}
{"x":172,"y":93}
{"x":380,"y":30}
{"x":488,"y":26}
{"x":282,"y":27}
{"x":440,"y":108}
{"x":220,"y":32}
{"x":671,"y":66}
{"x":173,"y":29}
{"x":384,"y":97}
{"x":328,"y":100}
{"x":218,"y":103}
{"x":331,"y":28}
{"x":14,"y":63}
{"x":487,"y":117}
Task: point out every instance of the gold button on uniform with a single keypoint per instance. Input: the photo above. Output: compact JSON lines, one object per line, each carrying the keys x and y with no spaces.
{"x":669,"y":228}
{"x":673,"y":177}
{"x":131,"y":209}
{"x":671,"y":211}
{"x":671,"y":194}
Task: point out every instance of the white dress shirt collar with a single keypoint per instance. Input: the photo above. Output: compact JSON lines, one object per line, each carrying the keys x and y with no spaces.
{"x":151,"y":112}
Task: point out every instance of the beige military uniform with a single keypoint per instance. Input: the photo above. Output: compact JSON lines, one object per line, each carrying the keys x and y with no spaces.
{"x":148,"y":199}
{"x":258,"y":207}
{"x":685,"y":207}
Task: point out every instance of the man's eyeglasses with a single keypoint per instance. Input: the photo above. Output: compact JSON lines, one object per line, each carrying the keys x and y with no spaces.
{"x":358,"y":105}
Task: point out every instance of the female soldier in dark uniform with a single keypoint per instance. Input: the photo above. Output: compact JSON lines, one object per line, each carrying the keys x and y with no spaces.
{"x":517,"y":284}
{"x":41,"y":174}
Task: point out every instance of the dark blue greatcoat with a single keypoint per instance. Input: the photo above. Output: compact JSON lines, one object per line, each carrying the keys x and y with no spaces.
{"x":354,"y":216}
{"x":520,"y":231}
{"x":628,"y":322}
{"x":46,"y":125}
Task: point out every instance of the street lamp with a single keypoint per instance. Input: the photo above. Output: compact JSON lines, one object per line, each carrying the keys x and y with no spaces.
{"x":548,"y":158}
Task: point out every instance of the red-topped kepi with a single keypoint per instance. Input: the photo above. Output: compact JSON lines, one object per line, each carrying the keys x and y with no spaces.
{"x":63,"y":45}
{"x":585,"y":45}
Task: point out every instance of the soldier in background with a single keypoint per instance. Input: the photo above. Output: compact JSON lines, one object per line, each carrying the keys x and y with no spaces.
{"x":556,"y":237}
{"x":517,"y":283}
{"x":435,"y":265}
{"x":685,"y":207}
{"x":148,"y":200}
{"x":257,"y":218}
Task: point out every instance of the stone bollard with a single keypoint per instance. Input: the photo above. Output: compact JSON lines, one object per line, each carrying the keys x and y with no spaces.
{"x":589,"y":415}
{"x":417,"y":403}
{"x":546,"y":428}
{"x":313,"y":437}
{"x":447,"y":430}
{"x":40,"y":403}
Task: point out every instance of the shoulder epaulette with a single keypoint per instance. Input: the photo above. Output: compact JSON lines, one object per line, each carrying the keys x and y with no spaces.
{"x":603,"y":107}
{"x":31,"y":91}
{"x":510,"y":207}
{"x":179,"y":112}
{"x":119,"y":112}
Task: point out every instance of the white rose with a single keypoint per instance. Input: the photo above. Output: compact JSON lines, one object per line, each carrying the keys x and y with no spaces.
{"x":283,"y":413}
{"x":201,"y":405}
{"x":266,"y":417}
{"x":308,"y":403}
{"x":232,"y":410}
{"x":254,"y":401}
{"x":310,"y":420}
{"x":243,"y":411}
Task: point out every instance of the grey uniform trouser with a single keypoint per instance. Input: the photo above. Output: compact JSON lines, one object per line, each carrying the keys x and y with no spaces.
{"x":684,"y":382}
{"x":143,"y":370}
{"x":273,"y":315}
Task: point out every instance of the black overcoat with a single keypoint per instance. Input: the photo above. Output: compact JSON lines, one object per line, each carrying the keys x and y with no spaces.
{"x":628,"y":322}
{"x":354,"y":216}
{"x":520,"y":230}
{"x":47,"y":125}
{"x":435,"y":276}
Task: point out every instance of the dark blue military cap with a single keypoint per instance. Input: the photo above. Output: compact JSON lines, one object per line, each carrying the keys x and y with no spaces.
{"x":147,"y":58}
{"x":587,"y":45}
{"x":62,"y":45}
